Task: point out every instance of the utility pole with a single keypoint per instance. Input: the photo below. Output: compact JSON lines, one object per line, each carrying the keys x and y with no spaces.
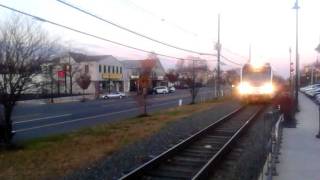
{"x":297,"y":79}
{"x":312,"y":75}
{"x":58,"y":84}
{"x":65,"y":78}
{"x":51,"y":82}
{"x":70,"y":74}
{"x":193,"y":83}
{"x":290,"y":72}
{"x":218,"y":48}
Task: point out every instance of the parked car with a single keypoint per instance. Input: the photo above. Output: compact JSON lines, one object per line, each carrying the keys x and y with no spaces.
{"x":309,"y":88}
{"x":161,"y":90}
{"x":312,"y":92}
{"x":114,"y":95}
{"x":315,"y":92}
{"x":172,"y":89}
{"x":317,"y":98}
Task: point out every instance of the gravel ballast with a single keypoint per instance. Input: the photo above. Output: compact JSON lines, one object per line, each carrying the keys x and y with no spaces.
{"x":134,"y":155}
{"x":248,"y":156}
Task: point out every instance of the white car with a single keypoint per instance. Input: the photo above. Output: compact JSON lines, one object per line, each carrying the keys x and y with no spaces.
{"x":161,"y":90}
{"x":114,"y":95}
{"x":172,"y":89}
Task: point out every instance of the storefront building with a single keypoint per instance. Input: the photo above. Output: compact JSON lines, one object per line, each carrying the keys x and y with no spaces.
{"x":132,"y":73}
{"x":106,"y":73}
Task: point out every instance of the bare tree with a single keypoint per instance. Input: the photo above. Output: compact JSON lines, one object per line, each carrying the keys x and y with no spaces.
{"x":23,"y":47}
{"x":172,"y":76}
{"x":144,"y":82}
{"x":232,"y":76}
{"x":191,"y":74}
{"x":83,"y":80}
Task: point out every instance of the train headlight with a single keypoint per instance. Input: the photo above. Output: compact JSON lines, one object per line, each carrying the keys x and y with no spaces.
{"x":267,"y":88}
{"x":245,"y":88}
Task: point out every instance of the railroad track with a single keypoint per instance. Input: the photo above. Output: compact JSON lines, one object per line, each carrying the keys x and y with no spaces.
{"x":194,"y":157}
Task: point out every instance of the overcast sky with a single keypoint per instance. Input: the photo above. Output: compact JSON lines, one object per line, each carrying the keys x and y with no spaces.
{"x":268,"y":25}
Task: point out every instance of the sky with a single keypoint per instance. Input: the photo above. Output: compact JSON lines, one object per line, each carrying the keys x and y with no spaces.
{"x":267,"y":25}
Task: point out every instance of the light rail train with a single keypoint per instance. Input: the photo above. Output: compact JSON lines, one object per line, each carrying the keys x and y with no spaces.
{"x":256,"y":83}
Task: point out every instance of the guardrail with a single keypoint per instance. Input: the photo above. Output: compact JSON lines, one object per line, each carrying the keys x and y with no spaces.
{"x":274,"y":145}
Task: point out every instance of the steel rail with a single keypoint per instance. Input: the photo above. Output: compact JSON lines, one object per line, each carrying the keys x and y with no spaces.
{"x":203,"y":172}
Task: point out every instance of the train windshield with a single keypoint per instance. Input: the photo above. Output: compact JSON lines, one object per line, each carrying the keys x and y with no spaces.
{"x":256,"y":76}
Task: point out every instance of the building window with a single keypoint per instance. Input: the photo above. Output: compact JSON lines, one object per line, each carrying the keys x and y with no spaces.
{"x":120,"y":70}
{"x":104,"y":68}
{"x":112,"y":69}
{"x":108,"y":69}
{"x":99,"y":68}
{"x":86,"y":68}
{"x":117,"y":69}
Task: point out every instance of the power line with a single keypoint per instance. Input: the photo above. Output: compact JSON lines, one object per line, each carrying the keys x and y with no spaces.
{"x":144,"y":36}
{"x":234,"y":53}
{"x":88,"y":34}
{"x":231,"y":61}
{"x":151,"y":13}
{"x":133,"y":32}
{"x":161,"y":18}
{"x":91,"y":35}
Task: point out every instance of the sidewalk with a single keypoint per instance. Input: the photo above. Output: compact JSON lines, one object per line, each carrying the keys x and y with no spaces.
{"x":300,"y":151}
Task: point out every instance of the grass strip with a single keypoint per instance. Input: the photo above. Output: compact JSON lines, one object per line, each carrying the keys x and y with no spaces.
{"x":56,"y":156}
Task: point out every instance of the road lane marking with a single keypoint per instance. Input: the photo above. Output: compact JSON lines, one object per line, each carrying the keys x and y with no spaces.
{"x":74,"y":120}
{"x":24,"y":116}
{"x":126,"y":102}
{"x":43,"y":118}
{"x":86,"y":118}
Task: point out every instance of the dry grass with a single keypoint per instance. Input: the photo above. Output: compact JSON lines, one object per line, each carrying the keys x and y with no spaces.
{"x":52,"y":157}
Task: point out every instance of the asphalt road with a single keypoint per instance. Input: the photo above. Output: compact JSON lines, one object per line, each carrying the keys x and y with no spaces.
{"x":40,"y":120}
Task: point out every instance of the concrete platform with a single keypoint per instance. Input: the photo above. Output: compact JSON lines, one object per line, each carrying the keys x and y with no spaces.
{"x":300,"y":151}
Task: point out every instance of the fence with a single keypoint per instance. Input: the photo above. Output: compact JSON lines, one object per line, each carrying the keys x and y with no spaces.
{"x":274,"y":144}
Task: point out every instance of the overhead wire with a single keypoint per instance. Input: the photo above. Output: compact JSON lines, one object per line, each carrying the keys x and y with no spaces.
{"x":98,"y":37}
{"x":161,"y":18}
{"x":234,"y":53}
{"x":89,"y":34}
{"x":132,"y":31}
{"x":231,"y":61}
{"x":187,"y":31}
{"x":139,"y":34}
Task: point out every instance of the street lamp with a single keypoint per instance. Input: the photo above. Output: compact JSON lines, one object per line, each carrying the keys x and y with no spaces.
{"x":290,"y":73}
{"x":297,"y":79}
{"x":218,"y":48}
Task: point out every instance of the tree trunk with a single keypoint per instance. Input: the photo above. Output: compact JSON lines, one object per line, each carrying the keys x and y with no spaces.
{"x":6,"y":126}
{"x":193,"y":95}
{"x":193,"y":84}
{"x":58,"y":87}
{"x":70,"y":84}
{"x":145,"y":113}
{"x":83,"y":98}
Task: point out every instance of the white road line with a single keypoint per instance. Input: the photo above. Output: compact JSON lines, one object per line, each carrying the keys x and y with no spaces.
{"x":24,"y":116}
{"x":74,"y":120}
{"x":43,"y":118}
{"x":126,"y":102}
{"x":86,"y":118}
